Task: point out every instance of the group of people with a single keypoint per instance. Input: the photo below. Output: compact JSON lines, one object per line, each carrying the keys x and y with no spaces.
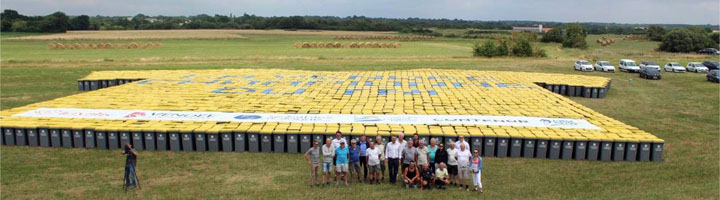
{"x":421,"y":166}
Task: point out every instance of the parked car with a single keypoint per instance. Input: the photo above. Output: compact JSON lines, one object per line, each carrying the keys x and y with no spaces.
{"x":650,"y":73}
{"x":674,"y":67}
{"x":583,"y":65}
{"x":712,"y":51}
{"x":604,"y":66}
{"x":650,"y":64}
{"x":711,"y":64}
{"x":713,"y":76}
{"x":696,"y":67}
{"x":628,"y":65}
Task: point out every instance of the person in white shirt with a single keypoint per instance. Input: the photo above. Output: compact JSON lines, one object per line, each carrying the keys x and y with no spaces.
{"x":336,"y":143}
{"x":452,"y":163}
{"x":393,"y":151}
{"x":461,"y":140}
{"x":463,"y":161}
{"x":380,"y":146}
{"x":373,"y":162}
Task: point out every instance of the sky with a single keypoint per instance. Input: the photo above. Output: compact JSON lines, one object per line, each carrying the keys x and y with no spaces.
{"x":618,"y":11}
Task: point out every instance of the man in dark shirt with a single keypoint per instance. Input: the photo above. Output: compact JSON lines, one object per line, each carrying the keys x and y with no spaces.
{"x":428,"y":175}
{"x":441,"y":156}
{"x":130,"y":164}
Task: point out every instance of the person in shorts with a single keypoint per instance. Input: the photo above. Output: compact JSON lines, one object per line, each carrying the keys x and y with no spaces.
{"x":411,"y":175}
{"x":441,"y":176}
{"x":373,"y":162}
{"x":328,"y":156}
{"x":428,"y":175}
{"x":312,"y":156}
{"x":452,"y":163}
{"x":463,"y":161}
{"x":380,"y":146}
{"x":341,"y":163}
{"x":409,"y":154}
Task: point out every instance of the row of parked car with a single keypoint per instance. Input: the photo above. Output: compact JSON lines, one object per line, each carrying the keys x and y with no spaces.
{"x":651,"y":70}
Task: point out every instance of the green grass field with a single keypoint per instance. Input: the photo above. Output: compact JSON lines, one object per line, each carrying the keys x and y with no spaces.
{"x":683,"y":109}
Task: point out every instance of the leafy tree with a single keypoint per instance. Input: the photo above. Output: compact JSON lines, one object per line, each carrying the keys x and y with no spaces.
{"x":522,"y":48}
{"x":57,"y":22}
{"x":554,"y":35}
{"x":656,"y":33}
{"x":504,"y":48}
{"x":486,"y":49}
{"x":686,"y":40}
{"x":19,"y":26}
{"x":574,"y":37}
{"x":81,"y":22}
{"x":715,"y":37}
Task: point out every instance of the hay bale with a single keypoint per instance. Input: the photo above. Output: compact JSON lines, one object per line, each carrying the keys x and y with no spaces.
{"x":397,"y":45}
{"x":107,"y":46}
{"x":51,"y":46}
{"x":132,"y":46}
{"x":158,"y":45}
{"x":306,"y":45}
{"x":298,"y":45}
{"x":313,"y":45}
{"x":77,"y":46}
{"x":68,"y":46}
{"x":603,"y":43}
{"x":59,"y":46}
{"x":321,"y":45}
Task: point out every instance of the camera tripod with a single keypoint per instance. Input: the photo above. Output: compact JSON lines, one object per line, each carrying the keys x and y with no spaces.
{"x":137,"y":181}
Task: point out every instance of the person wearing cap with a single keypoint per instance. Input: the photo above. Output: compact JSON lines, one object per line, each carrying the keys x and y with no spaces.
{"x":312,"y":156}
{"x":393,"y":152}
{"x":411,"y":176}
{"x":328,"y":155}
{"x":461,"y":140}
{"x":452,"y":163}
{"x":409,"y":154}
{"x":476,"y":167}
{"x":381,"y":147}
{"x":355,"y":161}
{"x":341,"y":163}
{"x":422,"y":154}
{"x":373,"y":162}
{"x":463,"y":161}
{"x":441,"y":176}
{"x":432,"y":151}
{"x":363,"y":146}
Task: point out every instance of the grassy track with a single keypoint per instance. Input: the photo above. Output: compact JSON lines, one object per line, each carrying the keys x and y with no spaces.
{"x":683,"y":109}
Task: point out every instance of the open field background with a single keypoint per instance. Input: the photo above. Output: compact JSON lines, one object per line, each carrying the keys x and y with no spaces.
{"x":683,"y":109}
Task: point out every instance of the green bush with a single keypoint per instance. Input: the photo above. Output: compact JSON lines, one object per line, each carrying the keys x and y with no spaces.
{"x":686,"y":40}
{"x":554,"y":35}
{"x":522,"y":48}
{"x":715,"y":37}
{"x":656,"y":33}
{"x":505,"y":47}
{"x":574,"y":37}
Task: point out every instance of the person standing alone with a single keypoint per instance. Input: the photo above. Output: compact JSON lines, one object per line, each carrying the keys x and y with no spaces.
{"x":313,"y":158}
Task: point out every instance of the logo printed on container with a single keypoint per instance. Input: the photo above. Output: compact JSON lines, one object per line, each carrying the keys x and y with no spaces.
{"x":366,"y":118}
{"x":135,"y":115}
{"x":248,"y":117}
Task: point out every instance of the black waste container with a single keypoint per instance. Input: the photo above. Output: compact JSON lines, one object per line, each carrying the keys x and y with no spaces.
{"x":200,"y":141}
{"x":657,"y":150}
{"x":55,"y":138}
{"x":502,"y":146}
{"x":580,"y":150}
{"x":567,"y":149}
{"x":645,"y":146}
{"x":112,"y":83}
{"x":94,"y":85}
{"x":555,"y":147}
{"x":619,"y":150}
{"x":541,"y":149}
{"x":188,"y":144}
{"x":563,"y":89}
{"x":476,"y":142}
{"x":103,"y":83}
{"x":593,"y":149}
{"x":319,"y":138}
{"x":279,"y":142}
{"x":20,"y":137}
{"x":516,"y":147}
{"x":32,"y":137}
{"x":149,"y":140}
{"x":80,"y":85}
{"x":67,"y":138}
{"x":595,"y":93}
{"x":292,"y":142}
{"x":240,"y":141}
{"x":631,"y":150}
{"x":254,"y":140}
{"x":44,"y":137}
{"x":606,"y":150}
{"x":488,"y":146}
{"x":213,"y":141}
{"x":601,"y":93}
{"x":226,"y":140}
{"x":571,"y":91}
{"x":89,"y":138}
{"x":161,"y":140}
{"x":138,"y":140}
{"x":528,"y":148}
{"x":266,"y":142}
{"x":8,"y":136}
{"x":306,"y":142}
{"x":78,"y":138}
{"x":175,"y":140}
{"x":124,"y":138}
{"x":113,"y":139}
{"x":101,"y":139}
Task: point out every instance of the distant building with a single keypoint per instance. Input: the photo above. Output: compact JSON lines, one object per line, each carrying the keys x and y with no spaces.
{"x":536,"y":29}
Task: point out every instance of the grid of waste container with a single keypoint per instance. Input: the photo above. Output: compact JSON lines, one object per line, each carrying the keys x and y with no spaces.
{"x":424,"y":91}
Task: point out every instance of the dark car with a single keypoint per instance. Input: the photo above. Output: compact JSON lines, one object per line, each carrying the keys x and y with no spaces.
{"x":650,"y":73}
{"x":713,"y":76}
{"x":708,"y":51}
{"x":711,"y":65}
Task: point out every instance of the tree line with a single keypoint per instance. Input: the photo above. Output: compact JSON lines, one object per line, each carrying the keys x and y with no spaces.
{"x":12,"y":21}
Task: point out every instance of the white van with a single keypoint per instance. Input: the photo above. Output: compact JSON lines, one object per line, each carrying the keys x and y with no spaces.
{"x":628,"y":65}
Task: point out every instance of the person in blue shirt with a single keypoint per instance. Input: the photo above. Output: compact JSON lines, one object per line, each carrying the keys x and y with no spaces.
{"x":476,"y":167}
{"x":354,"y":160}
{"x":341,"y":163}
{"x":363,"y":145}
